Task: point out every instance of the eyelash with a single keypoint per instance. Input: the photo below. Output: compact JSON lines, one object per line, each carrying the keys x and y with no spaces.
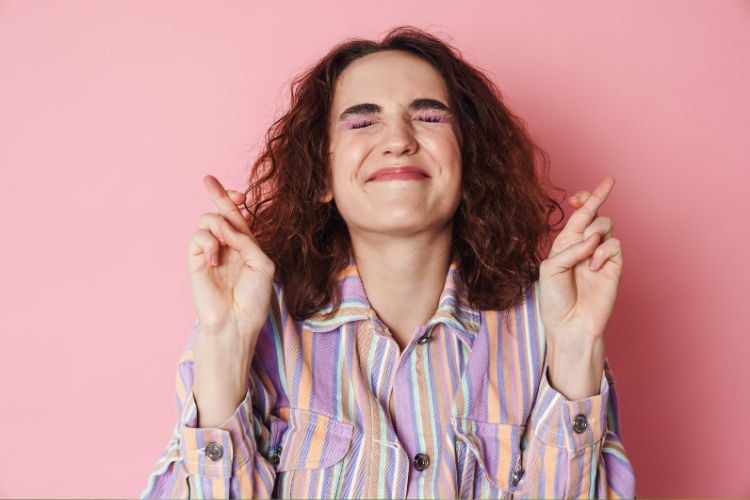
{"x":427,"y":118}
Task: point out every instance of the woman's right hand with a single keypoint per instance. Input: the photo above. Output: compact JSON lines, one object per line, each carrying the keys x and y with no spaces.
{"x":232,"y":282}
{"x":231,"y":277}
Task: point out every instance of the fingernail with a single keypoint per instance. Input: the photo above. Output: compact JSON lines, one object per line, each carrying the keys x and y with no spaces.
{"x":593,"y":265}
{"x":214,"y":260}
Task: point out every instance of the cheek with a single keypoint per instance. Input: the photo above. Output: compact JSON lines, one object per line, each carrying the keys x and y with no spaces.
{"x":443,"y":145}
{"x":346,"y":161}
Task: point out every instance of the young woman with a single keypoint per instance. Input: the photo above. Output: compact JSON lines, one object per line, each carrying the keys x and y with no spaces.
{"x":379,"y":322}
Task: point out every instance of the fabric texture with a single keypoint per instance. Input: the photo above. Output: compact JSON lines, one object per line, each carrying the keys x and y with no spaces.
{"x":335,"y":409}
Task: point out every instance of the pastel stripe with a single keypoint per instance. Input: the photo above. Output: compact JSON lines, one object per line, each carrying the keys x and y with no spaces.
{"x":476,"y":399}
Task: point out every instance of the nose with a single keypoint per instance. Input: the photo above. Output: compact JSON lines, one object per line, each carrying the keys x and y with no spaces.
{"x":399,"y":138}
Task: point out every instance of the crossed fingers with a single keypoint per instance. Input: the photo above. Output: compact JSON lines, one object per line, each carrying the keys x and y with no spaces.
{"x":587,"y":212}
{"x":226,"y":205}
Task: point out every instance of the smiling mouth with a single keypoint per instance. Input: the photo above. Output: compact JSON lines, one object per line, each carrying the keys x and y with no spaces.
{"x":399,"y":176}
{"x":399,"y":173}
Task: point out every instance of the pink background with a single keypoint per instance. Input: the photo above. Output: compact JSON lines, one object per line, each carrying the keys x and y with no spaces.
{"x":111,"y":112}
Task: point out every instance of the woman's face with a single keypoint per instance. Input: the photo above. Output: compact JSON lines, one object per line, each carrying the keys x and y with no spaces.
{"x":391,"y":109}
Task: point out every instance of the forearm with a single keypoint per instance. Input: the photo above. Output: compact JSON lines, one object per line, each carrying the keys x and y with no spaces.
{"x":575,"y":369}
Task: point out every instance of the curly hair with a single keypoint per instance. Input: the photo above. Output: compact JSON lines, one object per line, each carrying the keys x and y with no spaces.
{"x":503,"y":221}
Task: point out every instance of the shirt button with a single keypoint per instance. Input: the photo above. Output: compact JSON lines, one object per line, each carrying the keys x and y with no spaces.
{"x":275,"y":458}
{"x":517,"y":475}
{"x":421,"y":461}
{"x":580,"y":424}
{"x":424,"y":339}
{"x":214,"y":451}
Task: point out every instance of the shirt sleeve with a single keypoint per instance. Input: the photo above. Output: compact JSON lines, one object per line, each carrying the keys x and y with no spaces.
{"x":574,"y":448}
{"x":221,"y":462}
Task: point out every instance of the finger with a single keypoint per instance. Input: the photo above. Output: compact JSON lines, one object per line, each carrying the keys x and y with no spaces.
{"x":579,"y":198}
{"x":587,"y":212}
{"x":227,"y":208}
{"x":249,"y":251}
{"x":213,"y":222}
{"x":610,"y":250}
{"x":242,"y":243}
{"x":236,"y":196}
{"x":218,"y":225}
{"x":204,"y":243}
{"x":601,"y":225}
{"x":568,"y":258}
{"x":239,"y":200}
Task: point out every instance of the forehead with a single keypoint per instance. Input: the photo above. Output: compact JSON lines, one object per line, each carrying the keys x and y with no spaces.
{"x":388,"y":76}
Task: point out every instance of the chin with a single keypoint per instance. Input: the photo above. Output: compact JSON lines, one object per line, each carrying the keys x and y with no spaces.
{"x":400,"y":225}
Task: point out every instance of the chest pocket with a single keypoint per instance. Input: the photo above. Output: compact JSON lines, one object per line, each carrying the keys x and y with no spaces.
{"x":488,"y":458}
{"x":311,"y":459}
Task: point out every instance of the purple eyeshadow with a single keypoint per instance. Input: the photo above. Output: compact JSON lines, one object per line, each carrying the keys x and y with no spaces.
{"x":364,"y":123}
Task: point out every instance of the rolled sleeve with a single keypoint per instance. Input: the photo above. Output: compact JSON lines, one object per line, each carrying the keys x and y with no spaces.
{"x":570,"y":424}
{"x":217,"y":451}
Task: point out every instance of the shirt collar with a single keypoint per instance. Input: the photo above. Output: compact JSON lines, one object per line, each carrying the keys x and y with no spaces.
{"x":453,"y":310}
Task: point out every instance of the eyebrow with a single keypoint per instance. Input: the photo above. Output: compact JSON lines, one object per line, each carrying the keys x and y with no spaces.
{"x":368,"y":108}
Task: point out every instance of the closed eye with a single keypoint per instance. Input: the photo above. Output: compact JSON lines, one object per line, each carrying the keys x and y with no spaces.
{"x":432,"y":118}
{"x":361,"y":124}
{"x":424,"y":118}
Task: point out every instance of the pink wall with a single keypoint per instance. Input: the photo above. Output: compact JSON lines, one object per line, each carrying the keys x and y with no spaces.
{"x":111,"y":112}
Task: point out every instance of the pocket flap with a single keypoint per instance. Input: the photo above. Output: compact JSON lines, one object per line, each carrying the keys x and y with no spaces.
{"x":496,"y":447}
{"x":314,"y":440}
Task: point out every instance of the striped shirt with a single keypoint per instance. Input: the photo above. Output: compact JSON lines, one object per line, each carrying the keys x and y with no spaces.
{"x":335,"y":408}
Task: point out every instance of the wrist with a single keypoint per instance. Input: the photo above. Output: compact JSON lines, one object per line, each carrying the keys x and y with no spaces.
{"x":575,"y":367}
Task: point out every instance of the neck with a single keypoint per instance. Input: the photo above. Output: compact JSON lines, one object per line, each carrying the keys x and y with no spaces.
{"x":403,"y":277}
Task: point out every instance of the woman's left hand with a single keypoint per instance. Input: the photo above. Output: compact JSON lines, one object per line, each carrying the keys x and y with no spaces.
{"x":578,"y":281}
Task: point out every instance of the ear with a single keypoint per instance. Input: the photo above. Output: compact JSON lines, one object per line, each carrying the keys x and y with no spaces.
{"x":326,"y":197}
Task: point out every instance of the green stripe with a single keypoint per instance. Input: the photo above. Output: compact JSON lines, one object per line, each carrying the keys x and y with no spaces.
{"x":617,"y":453}
{"x":592,"y":475}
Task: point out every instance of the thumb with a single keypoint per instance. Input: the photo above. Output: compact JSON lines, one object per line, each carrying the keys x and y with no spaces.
{"x":575,"y":253}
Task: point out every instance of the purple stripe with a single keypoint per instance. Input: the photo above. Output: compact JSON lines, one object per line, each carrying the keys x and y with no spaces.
{"x":522,"y":345}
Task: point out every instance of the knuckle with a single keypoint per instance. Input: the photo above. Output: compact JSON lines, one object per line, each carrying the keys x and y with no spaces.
{"x":270,"y":267}
{"x":200,"y":234}
{"x":205,"y":239}
{"x":211,"y":244}
{"x":207,"y":219}
{"x":228,"y":230}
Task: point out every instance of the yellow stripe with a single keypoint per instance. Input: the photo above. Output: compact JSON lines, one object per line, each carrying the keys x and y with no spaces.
{"x":517,"y":413}
{"x":493,"y":396}
{"x":304,"y":390}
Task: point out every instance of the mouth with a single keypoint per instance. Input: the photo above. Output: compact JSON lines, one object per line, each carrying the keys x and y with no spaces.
{"x":405,"y":172}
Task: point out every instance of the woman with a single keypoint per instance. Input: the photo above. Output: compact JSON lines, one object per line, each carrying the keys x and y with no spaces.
{"x":379,"y":323}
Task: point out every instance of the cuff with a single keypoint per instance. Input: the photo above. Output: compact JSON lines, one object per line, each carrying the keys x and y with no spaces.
{"x":217,"y":451}
{"x":574,"y":425}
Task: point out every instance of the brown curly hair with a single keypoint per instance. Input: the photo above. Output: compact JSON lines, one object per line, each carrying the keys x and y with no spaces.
{"x":502,"y":224}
